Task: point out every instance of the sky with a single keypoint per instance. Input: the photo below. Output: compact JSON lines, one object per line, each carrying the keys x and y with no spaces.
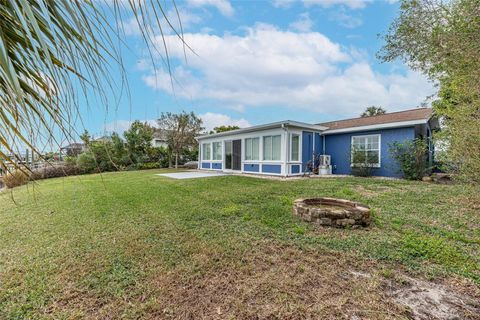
{"x":254,"y":62}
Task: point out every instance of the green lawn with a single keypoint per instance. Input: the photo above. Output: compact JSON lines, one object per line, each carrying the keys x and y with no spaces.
{"x":133,"y":245}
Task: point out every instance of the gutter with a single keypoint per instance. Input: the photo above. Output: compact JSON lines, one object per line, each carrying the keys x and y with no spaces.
{"x":377,"y":126}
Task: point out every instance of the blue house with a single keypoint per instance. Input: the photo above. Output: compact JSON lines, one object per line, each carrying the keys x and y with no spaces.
{"x":286,"y":148}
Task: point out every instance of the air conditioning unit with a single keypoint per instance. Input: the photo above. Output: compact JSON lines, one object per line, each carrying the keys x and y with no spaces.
{"x":324,"y":160}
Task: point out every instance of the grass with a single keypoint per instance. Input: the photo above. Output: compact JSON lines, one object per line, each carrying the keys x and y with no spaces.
{"x":133,"y":245}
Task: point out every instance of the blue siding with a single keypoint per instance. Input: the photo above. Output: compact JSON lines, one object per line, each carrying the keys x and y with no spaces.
{"x":205,"y":165}
{"x":295,"y":168}
{"x":339,"y":145}
{"x":251,"y":167}
{"x":271,"y":168}
{"x":318,"y":144}
{"x":216,"y":165}
{"x":307,"y":147}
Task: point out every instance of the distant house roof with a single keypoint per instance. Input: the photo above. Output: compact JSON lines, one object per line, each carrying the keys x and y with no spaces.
{"x":160,"y":134}
{"x":392,"y":119}
{"x":103,"y":139}
{"x":74,"y":145}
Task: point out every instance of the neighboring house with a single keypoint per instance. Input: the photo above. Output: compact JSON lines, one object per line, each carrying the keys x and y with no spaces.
{"x":103,"y":139}
{"x":73,"y":149}
{"x":160,"y":138}
{"x":285,"y":148}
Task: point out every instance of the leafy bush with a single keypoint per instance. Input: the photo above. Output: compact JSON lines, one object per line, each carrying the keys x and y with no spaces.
{"x":412,"y":157}
{"x":100,"y":157}
{"x":16,"y":178}
{"x":86,"y":162}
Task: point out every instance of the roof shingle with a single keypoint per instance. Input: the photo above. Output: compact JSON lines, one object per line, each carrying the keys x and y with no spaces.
{"x":401,"y":116}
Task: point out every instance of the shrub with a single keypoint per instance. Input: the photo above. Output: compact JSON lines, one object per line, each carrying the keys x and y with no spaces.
{"x":412,"y":157}
{"x":54,"y":171}
{"x":86,"y":163}
{"x":16,"y":178}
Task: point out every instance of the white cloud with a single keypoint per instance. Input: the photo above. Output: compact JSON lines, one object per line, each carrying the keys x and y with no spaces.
{"x":282,"y":3}
{"x":272,"y":67}
{"x":212,"y":120}
{"x":303,"y":24}
{"x":223,"y":6}
{"x":346,"y":20}
{"x":352,"y":4}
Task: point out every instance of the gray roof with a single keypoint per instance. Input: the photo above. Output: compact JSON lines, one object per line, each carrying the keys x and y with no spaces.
{"x":279,"y":124}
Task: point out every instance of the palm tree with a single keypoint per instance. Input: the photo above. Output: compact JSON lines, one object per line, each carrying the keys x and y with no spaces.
{"x":54,"y":53}
{"x":373,"y":111}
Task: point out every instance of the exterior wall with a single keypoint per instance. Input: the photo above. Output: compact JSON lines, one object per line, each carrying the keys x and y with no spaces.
{"x":338,"y":146}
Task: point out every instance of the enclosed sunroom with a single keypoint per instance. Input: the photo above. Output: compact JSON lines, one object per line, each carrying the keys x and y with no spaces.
{"x":281,"y":148}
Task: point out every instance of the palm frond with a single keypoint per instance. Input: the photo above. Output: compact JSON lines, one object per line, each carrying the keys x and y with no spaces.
{"x":54,"y":53}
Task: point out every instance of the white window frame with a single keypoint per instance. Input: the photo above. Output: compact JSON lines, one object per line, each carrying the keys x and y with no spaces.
{"x":299,"y":160}
{"x":251,"y":142}
{"x":379,"y":150}
{"x":271,"y":149}
{"x":203,"y":151}
{"x":221,"y":151}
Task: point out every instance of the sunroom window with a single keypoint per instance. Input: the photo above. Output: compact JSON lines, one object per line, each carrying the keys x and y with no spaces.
{"x":217,"y":150}
{"x":271,"y":148}
{"x":366,"y":150}
{"x":206,"y":151}
{"x":252,"y":149}
{"x":295,"y":151}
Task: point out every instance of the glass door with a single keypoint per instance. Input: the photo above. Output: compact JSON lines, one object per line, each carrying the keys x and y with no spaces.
{"x":228,"y":155}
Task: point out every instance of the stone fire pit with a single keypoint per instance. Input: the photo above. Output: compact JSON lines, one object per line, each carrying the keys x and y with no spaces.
{"x":332,"y":212}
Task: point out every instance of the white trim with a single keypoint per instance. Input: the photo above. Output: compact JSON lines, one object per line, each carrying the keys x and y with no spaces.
{"x":379,"y":165}
{"x":377,"y":126}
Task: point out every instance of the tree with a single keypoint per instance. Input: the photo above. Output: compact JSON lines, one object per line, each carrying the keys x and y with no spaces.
{"x":85,"y":137}
{"x":373,"y":111}
{"x":53,"y":51}
{"x":138,"y":141}
{"x":181,"y":131}
{"x":442,"y":40}
{"x":224,"y":129}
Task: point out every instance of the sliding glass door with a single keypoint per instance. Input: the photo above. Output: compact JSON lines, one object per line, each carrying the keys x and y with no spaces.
{"x":228,"y":155}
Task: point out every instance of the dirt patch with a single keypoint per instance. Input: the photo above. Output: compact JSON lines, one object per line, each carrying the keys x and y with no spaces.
{"x":272,"y":281}
{"x":276,"y":282}
{"x":427,"y":300}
